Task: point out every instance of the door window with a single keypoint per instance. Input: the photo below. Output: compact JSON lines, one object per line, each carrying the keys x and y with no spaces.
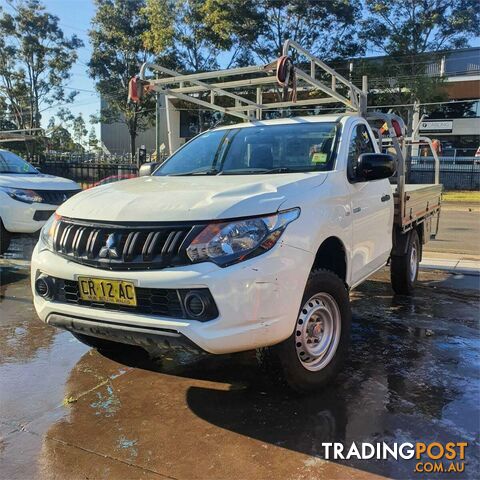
{"x":360,"y":142}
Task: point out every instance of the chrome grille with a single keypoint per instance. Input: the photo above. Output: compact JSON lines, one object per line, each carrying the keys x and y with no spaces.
{"x":124,"y":247}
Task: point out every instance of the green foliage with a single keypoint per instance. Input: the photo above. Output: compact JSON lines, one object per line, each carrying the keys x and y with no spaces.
{"x":413,"y":34}
{"x":35,"y":62}
{"x":192,"y":33}
{"x":117,"y":33}
{"x":326,"y":29}
{"x":179,"y":35}
{"x":234,"y":24}
{"x":161,"y":37}
{"x":79,"y":130}
{"x":93,"y":140}
{"x":59,"y":138}
{"x":417,"y":26}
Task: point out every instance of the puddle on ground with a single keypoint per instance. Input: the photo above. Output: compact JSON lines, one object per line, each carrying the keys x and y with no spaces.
{"x":412,"y":375}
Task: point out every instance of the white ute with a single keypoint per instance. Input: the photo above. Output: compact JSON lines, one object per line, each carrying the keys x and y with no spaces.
{"x":248,"y":236}
{"x":28,"y":198}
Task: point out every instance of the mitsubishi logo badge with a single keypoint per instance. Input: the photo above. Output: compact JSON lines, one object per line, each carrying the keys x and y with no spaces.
{"x":110,"y":250}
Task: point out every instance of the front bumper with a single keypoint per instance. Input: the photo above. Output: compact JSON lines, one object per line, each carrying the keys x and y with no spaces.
{"x":155,"y":340}
{"x":258,"y":300}
{"x":20,"y":217}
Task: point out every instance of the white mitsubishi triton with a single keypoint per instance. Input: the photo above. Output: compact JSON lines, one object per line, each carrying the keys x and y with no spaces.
{"x":248,"y":236}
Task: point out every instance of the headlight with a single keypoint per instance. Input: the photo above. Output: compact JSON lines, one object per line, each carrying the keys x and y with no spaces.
{"x":22,"y":195}
{"x":47,"y":234}
{"x":231,"y":242}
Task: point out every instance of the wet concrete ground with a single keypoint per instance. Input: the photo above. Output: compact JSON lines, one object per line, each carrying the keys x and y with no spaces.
{"x":68,"y":412}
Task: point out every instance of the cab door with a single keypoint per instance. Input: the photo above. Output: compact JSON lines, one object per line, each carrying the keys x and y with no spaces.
{"x":372,"y":210}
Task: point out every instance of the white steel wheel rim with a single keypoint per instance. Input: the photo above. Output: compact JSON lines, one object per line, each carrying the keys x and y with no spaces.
{"x":413,"y":262}
{"x":317,"y":332}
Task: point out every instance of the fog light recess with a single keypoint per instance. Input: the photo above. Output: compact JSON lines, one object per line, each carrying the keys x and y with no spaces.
{"x":44,"y":286}
{"x":196,"y":304}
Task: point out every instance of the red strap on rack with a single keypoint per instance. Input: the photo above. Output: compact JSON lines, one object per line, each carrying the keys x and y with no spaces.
{"x":286,"y":78}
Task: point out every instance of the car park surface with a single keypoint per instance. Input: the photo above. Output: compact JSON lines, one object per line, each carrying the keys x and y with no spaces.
{"x":68,"y":412}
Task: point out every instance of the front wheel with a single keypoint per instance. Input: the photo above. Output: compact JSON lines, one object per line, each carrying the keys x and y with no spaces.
{"x":5,"y":238}
{"x":313,"y":355}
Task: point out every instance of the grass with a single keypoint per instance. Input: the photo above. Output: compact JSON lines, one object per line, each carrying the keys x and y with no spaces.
{"x":461,"y":196}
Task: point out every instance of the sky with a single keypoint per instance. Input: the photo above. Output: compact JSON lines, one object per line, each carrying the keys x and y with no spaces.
{"x":74,"y":18}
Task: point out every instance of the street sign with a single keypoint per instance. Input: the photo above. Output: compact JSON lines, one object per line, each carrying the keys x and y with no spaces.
{"x":437,"y":126}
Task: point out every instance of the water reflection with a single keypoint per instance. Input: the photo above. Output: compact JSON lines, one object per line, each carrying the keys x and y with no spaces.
{"x":400,"y":384}
{"x":22,"y":334}
{"x":412,"y":375}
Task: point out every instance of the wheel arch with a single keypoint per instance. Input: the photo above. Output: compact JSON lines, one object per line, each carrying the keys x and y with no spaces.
{"x":332,"y":255}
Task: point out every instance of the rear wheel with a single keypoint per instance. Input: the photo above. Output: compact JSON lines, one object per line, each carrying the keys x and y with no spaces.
{"x":404,"y":268}
{"x":5,"y":238}
{"x":313,"y":355}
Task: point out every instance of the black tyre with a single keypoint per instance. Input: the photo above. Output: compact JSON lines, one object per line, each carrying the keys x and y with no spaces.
{"x":313,"y":355}
{"x":5,"y":238}
{"x":404,"y":268}
{"x":100,"y":344}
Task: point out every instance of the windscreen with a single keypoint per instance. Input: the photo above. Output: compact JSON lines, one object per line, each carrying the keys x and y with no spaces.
{"x":11,"y":163}
{"x":298,"y":147}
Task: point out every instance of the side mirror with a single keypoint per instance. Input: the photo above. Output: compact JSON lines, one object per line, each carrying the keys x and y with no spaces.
{"x":147,"y":169}
{"x":374,"y":166}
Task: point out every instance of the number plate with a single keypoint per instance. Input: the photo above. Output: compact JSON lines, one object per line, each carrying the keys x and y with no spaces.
{"x":105,"y":290}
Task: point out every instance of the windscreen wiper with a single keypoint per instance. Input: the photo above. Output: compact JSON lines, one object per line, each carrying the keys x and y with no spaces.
{"x":261,"y":171}
{"x":210,"y":171}
{"x":283,"y":170}
{"x":293,"y":170}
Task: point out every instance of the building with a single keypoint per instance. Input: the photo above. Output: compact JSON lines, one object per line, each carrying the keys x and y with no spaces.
{"x":116,"y":139}
{"x":457,"y":124}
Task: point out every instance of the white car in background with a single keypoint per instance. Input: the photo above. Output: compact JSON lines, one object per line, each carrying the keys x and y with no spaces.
{"x":27,"y":197}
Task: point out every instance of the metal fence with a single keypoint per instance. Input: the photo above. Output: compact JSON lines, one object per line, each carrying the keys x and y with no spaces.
{"x":456,"y":173}
{"x":88,"y":174}
{"x":86,"y":157}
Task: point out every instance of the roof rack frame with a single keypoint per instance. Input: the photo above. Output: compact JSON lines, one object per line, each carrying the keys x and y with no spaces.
{"x":172,"y":84}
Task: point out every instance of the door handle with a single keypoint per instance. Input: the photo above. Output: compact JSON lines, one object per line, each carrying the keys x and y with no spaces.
{"x":385,"y":198}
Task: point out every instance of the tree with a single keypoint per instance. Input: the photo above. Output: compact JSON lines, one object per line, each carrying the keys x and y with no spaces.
{"x":93,"y":140}
{"x":79,"y":130}
{"x":35,"y":62}
{"x":58,"y":137}
{"x":235,"y":24}
{"x":179,"y":36}
{"x":417,"y":26}
{"x":194,"y":32}
{"x":118,"y":52}
{"x":412,"y":34}
{"x":261,"y":30}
